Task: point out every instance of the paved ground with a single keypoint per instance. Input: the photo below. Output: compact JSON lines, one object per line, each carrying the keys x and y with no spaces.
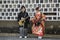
{"x":13,"y":36}
{"x":17,"y":38}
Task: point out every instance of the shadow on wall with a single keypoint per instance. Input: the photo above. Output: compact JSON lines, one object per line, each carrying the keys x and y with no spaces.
{"x":51,"y":27}
{"x":9,"y":26}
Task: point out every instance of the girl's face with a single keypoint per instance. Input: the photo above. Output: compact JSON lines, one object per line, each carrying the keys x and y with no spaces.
{"x":37,"y":10}
{"x":23,"y":9}
{"x":37,"y":16}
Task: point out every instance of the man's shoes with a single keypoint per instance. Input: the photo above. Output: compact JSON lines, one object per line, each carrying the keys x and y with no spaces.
{"x":25,"y":37}
{"x":20,"y":37}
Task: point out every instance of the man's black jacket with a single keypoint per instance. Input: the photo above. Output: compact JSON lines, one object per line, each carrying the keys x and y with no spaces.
{"x":24,"y":15}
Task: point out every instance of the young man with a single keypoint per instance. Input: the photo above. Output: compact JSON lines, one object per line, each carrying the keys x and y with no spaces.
{"x":23,"y":19}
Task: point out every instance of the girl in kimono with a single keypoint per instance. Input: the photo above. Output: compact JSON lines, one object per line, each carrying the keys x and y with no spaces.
{"x":38,"y":23}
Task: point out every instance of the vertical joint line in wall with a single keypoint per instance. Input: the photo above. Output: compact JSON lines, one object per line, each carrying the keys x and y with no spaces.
{"x":48,"y":1}
{"x":39,"y":1}
{"x":31,"y":1}
{"x":52,"y":17}
{"x":57,"y":1}
{"x":35,"y":1}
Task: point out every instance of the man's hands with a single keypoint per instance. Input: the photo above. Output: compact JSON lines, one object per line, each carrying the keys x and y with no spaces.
{"x":22,"y":18}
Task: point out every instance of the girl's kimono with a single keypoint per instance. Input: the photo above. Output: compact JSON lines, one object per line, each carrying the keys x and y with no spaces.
{"x":38,"y":28}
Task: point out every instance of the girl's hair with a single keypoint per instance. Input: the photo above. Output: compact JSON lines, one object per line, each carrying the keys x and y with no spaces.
{"x":37,"y":8}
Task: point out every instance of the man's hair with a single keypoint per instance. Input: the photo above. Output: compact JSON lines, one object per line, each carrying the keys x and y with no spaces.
{"x":37,"y":8}
{"x":23,"y":7}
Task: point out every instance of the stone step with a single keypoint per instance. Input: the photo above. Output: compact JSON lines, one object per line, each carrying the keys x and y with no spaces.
{"x":29,"y":35}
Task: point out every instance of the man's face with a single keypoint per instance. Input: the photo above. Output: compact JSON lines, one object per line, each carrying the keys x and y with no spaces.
{"x":23,"y":9}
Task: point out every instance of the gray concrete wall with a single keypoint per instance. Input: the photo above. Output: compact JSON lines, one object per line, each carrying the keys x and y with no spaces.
{"x":52,"y":23}
{"x":8,"y":24}
{"x":12,"y":26}
{"x":15,"y":23}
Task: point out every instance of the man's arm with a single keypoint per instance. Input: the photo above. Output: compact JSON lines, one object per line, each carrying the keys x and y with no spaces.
{"x":19,"y":17}
{"x":27,"y":16}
